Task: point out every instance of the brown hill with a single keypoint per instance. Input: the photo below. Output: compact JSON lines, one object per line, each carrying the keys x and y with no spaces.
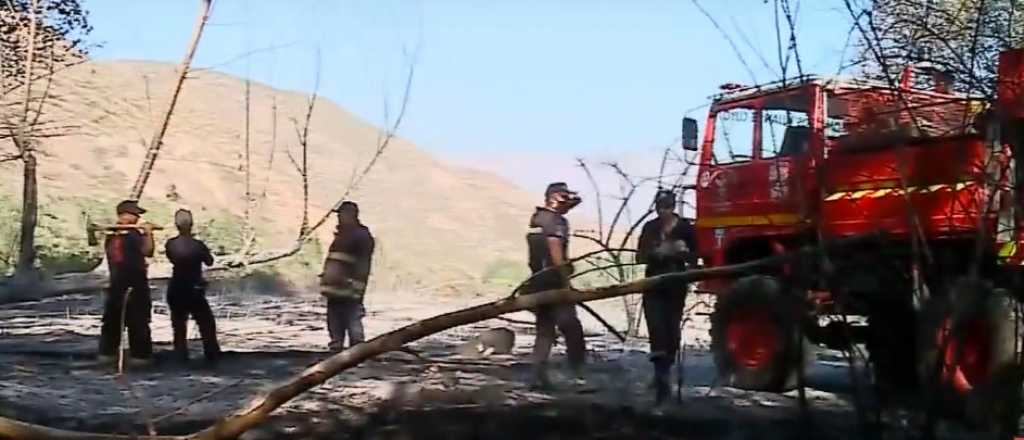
{"x":435,"y":223}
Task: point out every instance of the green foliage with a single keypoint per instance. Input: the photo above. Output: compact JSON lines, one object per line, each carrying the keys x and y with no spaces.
{"x":308,"y":261}
{"x":220,"y":231}
{"x":505,"y":272}
{"x":61,"y":242}
{"x":9,"y":231}
{"x":606,"y":269}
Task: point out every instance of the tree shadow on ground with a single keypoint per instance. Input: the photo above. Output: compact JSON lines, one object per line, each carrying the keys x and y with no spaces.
{"x":552,"y":420}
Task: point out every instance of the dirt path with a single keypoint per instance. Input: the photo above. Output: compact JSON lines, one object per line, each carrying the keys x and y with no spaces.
{"x":52,"y":379}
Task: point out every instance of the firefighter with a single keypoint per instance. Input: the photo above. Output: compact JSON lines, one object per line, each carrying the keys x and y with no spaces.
{"x":126,"y":251}
{"x":186,"y":292}
{"x":343,"y":281}
{"x":666,"y":244}
{"x":548,"y":242}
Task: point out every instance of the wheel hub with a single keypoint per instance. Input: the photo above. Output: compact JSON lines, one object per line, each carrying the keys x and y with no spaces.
{"x":967,"y":355}
{"x":752,"y":337}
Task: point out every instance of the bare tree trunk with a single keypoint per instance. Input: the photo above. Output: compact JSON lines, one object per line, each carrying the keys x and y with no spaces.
{"x":247,"y":229}
{"x":30,"y":190}
{"x":158,"y":136}
{"x":29,"y":213}
{"x":305,"y":188}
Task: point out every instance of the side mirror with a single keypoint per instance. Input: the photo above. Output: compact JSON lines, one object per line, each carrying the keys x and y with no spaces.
{"x":689,"y":134}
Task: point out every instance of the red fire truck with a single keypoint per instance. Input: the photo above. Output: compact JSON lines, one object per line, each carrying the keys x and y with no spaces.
{"x":925,"y":172}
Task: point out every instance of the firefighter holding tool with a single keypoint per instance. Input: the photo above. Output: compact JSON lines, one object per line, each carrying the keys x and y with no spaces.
{"x":128,"y":243}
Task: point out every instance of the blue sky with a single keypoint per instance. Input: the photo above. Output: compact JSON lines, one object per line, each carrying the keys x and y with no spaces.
{"x":517,"y":80}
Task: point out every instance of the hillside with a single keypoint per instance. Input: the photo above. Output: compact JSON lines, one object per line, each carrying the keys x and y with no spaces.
{"x":435,"y":223}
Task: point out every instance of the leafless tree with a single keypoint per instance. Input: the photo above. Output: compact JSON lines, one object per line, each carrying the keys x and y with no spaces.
{"x":960,"y":38}
{"x":302,"y":134}
{"x":248,"y":233}
{"x":306,"y":231}
{"x":614,"y":236}
{"x":50,"y":27}
{"x":37,"y":38}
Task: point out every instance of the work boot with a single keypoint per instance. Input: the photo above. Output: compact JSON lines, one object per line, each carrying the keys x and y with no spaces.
{"x":578,"y":379}
{"x":662,"y":391}
{"x":657,"y":360}
{"x":180,"y":356}
{"x":662,"y":388}
{"x":541,"y":381}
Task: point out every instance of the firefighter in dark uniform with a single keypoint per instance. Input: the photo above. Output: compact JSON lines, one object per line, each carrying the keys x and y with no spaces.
{"x":186,"y":292}
{"x":548,"y":242}
{"x":666,"y":244}
{"x":126,"y":251}
{"x":346,"y":272}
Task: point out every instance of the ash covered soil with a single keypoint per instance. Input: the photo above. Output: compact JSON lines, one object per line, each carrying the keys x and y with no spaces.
{"x":51,"y":378}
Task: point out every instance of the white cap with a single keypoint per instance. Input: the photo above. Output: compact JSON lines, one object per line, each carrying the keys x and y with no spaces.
{"x":183,"y":218}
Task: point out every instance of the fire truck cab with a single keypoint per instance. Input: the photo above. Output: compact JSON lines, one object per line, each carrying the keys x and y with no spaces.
{"x":925,"y":171}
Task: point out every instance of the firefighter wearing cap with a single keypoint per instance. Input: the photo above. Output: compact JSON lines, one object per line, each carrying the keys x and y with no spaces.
{"x":666,"y":244}
{"x":346,"y":272}
{"x":126,"y":252}
{"x":548,"y":242}
{"x":186,"y":292}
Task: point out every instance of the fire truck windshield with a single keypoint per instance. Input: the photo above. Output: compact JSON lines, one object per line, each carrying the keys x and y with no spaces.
{"x":745,"y":133}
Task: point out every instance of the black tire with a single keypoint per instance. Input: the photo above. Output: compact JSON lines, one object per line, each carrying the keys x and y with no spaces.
{"x":979,"y":323}
{"x":891,"y":343}
{"x":758,"y":303}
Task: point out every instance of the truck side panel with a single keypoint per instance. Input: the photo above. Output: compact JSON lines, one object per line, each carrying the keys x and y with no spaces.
{"x":943,"y":180}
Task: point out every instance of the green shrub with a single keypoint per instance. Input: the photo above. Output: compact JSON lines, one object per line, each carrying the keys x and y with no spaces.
{"x":505,"y":272}
{"x":10,"y":224}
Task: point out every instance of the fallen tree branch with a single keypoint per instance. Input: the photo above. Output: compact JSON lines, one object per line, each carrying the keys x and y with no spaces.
{"x":260,"y":408}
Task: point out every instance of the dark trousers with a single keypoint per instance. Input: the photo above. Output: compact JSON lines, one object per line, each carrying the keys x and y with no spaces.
{"x":345,"y":316}
{"x":190,"y":301}
{"x":564,"y":317}
{"x":137,"y":314}
{"x":664,"y":311}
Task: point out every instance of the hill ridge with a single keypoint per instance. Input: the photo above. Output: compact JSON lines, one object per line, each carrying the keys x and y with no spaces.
{"x":436,"y":221}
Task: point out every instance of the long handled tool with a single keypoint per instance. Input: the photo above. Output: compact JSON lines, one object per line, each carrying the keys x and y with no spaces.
{"x":92,"y":230}
{"x":121,"y":331}
{"x":681,"y":359}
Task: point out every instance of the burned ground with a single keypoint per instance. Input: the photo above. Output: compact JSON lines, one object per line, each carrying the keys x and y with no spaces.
{"x":52,"y":379}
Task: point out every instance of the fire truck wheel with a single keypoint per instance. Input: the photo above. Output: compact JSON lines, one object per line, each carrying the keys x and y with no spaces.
{"x":968,"y":365}
{"x":754,"y":335}
{"x":890,"y":342}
